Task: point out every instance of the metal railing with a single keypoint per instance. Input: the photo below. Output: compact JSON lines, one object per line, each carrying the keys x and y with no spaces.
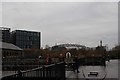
{"x":53,"y":71}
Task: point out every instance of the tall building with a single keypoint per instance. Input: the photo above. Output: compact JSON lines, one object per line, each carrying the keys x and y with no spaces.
{"x":5,"y":35}
{"x":26,"y":39}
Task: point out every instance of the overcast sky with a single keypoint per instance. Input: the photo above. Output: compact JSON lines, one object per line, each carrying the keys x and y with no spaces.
{"x":84,"y":23}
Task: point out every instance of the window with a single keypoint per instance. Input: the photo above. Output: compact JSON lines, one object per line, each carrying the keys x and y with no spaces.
{"x":26,"y":46}
{"x":37,"y":34}
{"x":31,"y":42}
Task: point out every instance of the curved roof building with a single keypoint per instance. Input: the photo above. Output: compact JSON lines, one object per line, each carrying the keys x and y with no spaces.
{"x":68,"y":46}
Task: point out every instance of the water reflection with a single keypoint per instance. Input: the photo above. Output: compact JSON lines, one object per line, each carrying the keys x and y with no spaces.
{"x":110,"y":70}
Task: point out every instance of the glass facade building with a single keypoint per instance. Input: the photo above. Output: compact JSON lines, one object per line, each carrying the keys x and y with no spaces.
{"x":26,"y":39}
{"x":5,"y":35}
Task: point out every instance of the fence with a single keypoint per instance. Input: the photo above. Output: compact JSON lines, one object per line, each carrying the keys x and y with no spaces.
{"x":49,"y":72}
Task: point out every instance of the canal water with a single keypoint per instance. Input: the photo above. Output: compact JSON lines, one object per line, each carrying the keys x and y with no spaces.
{"x":110,"y":70}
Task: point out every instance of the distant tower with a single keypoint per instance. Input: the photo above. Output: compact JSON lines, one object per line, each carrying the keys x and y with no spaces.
{"x":100,"y":42}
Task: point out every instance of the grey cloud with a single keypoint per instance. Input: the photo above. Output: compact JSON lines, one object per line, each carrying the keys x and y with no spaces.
{"x":85,"y":22}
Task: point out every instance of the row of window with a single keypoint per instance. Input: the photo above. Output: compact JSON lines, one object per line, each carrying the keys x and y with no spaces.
{"x":27,"y":38}
{"x":28,"y":33}
{"x":8,"y":53}
{"x":29,"y":46}
{"x":27,"y":42}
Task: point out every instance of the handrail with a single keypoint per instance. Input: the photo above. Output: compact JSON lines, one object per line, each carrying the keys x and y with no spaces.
{"x":49,"y":65}
{"x":10,"y":75}
{"x":42,"y":72}
{"x":31,"y":70}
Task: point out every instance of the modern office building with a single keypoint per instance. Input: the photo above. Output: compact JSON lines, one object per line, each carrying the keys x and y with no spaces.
{"x":5,"y":35}
{"x":26,"y":39}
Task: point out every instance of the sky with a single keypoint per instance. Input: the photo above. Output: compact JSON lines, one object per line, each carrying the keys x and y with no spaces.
{"x":84,"y":23}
